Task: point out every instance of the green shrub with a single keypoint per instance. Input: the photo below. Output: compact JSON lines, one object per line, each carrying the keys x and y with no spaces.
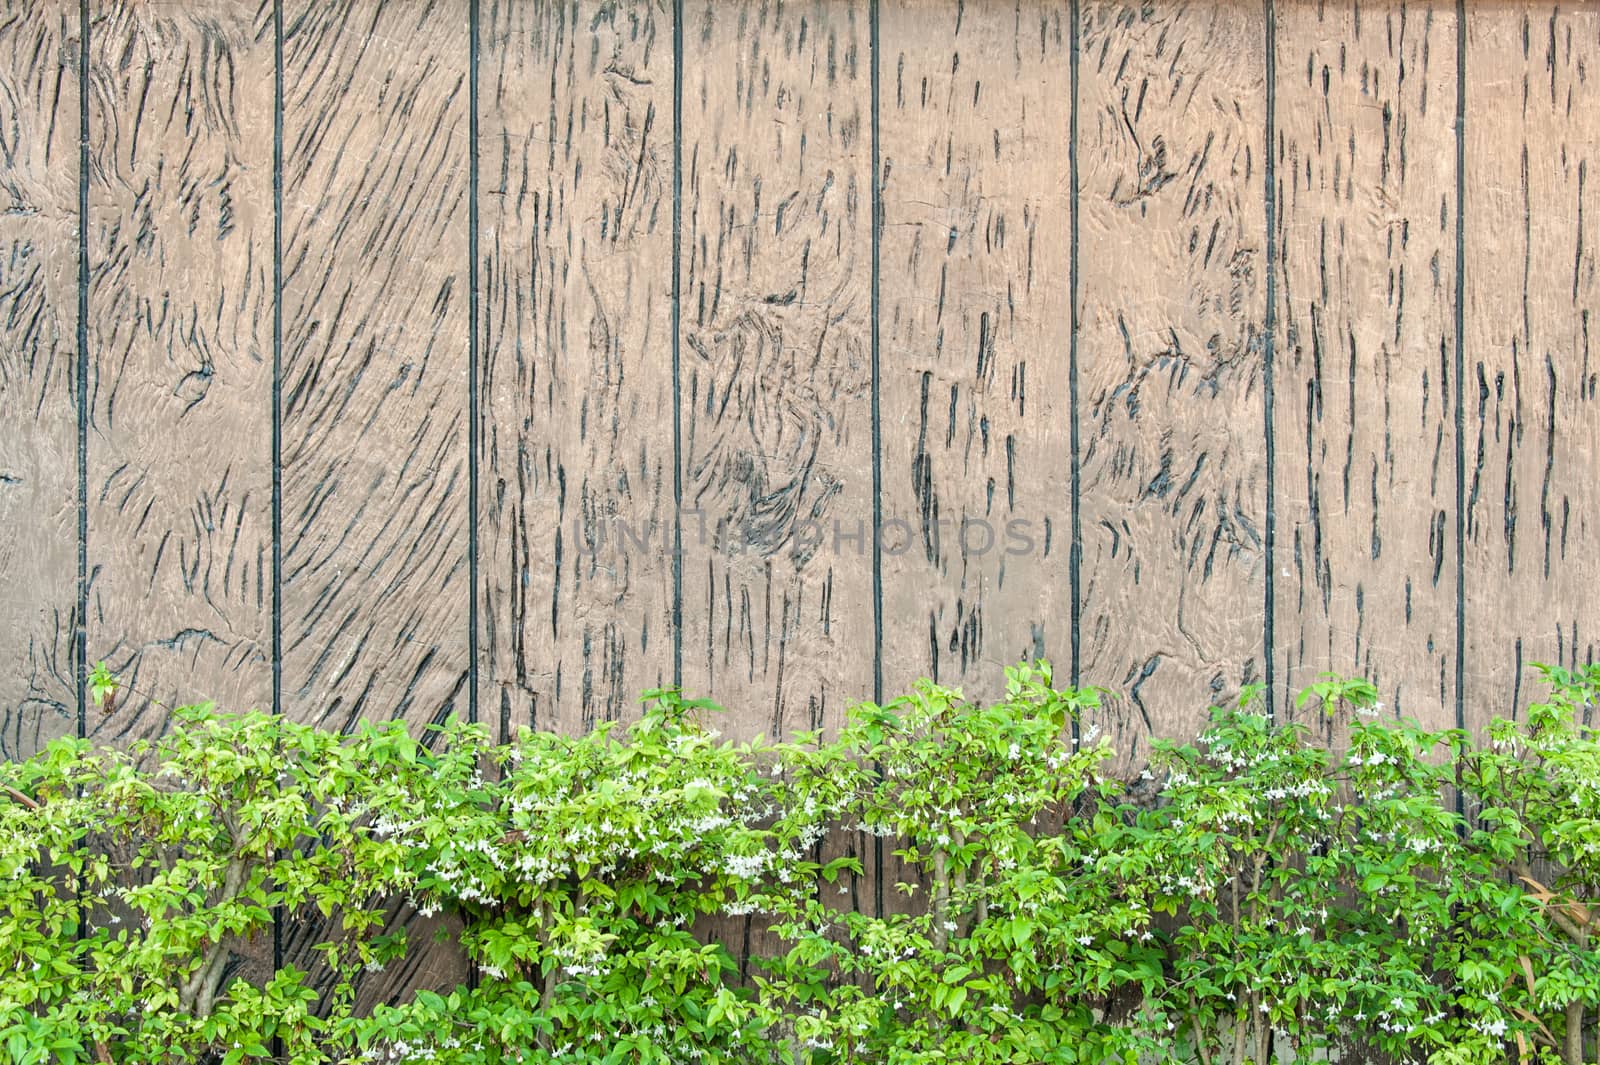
{"x":1392,"y":891}
{"x":127,"y":877}
{"x":1533,"y":793}
{"x":581,"y":873}
{"x":985,"y":955}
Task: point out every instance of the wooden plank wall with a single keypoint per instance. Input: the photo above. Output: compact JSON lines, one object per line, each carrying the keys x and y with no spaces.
{"x":975,"y":377}
{"x":575,"y":209}
{"x":1365,"y":412}
{"x":1171,"y":359}
{"x":775,"y":375}
{"x":42,"y":380}
{"x":1531,"y":421}
{"x":179,"y":344}
{"x":505,"y":358}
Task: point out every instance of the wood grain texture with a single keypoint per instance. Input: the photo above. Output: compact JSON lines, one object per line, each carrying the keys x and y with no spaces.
{"x":1170,"y":359}
{"x":776,"y":361}
{"x":375,"y":369}
{"x":1365,"y":408}
{"x":975,"y":326}
{"x":39,"y":130}
{"x":375,"y":294}
{"x":576,"y":215}
{"x":1531,"y":416}
{"x":180,"y":341}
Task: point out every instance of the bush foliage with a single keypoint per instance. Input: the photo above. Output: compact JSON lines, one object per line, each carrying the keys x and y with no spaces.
{"x":1382,"y":889}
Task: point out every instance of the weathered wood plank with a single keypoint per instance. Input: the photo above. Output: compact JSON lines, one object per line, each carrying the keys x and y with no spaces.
{"x":975,"y":326}
{"x":1532,"y":421}
{"x":375,"y":369}
{"x":180,"y":335}
{"x":1170,"y":360}
{"x":39,"y":131}
{"x":375,"y":374}
{"x":776,"y":361}
{"x":576,"y":214}
{"x":1365,"y":410}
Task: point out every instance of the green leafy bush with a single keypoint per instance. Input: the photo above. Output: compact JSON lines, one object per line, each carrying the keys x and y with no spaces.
{"x":985,"y":951}
{"x":581,"y":873}
{"x":1389,"y":891}
{"x":129,"y":877}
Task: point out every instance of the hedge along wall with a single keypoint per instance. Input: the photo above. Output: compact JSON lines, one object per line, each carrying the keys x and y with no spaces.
{"x":505,"y":359}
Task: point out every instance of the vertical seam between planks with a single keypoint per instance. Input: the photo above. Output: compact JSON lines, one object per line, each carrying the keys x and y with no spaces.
{"x":1075,"y":559}
{"x":877,"y":422}
{"x":81,"y":657}
{"x":1460,"y":364}
{"x":81,"y":633}
{"x":1270,"y":349}
{"x":277,"y":415}
{"x":473,"y":428}
{"x":677,"y":328}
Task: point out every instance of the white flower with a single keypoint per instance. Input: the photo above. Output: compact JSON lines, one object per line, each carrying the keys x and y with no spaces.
{"x":745,"y":866}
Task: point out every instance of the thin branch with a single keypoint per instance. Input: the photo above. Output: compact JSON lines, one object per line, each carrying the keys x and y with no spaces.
{"x":20,"y":798}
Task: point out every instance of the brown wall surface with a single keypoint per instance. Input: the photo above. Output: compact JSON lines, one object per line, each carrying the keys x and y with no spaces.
{"x":506,"y":358}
